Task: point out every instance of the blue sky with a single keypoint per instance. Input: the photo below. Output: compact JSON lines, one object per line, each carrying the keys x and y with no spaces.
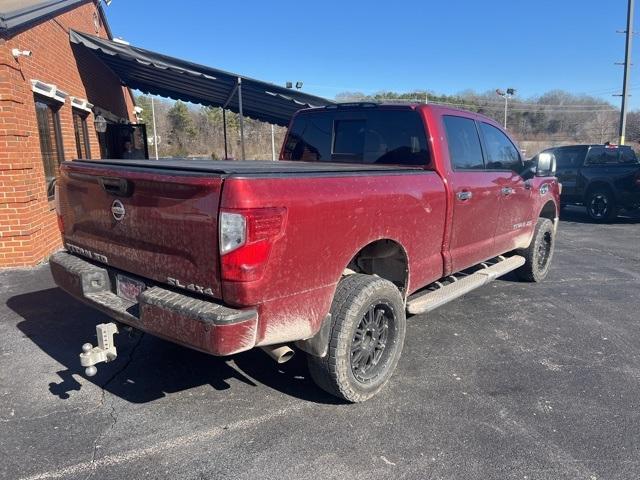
{"x":446,"y":47}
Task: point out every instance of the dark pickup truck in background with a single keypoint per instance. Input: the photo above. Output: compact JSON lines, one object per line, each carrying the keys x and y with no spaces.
{"x":603,"y":178}
{"x":372,"y":212}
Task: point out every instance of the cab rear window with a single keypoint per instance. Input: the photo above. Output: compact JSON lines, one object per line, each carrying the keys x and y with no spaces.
{"x":380,"y":136}
{"x":611,"y":155}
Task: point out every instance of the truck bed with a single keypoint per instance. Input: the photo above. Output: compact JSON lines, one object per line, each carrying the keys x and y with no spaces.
{"x":250,"y":167}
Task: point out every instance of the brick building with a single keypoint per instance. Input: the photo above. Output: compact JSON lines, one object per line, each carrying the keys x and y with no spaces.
{"x":50,"y":94}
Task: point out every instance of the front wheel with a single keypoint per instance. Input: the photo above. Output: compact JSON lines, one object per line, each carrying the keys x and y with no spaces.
{"x":539,"y":253}
{"x":367,"y":335}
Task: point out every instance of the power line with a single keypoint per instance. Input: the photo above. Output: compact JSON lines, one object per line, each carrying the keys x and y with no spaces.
{"x":602,"y":91}
{"x":499,"y":103}
{"x":535,"y":108}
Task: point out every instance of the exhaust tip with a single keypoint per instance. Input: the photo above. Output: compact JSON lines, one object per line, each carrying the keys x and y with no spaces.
{"x":279,"y":353}
{"x":286,"y":356}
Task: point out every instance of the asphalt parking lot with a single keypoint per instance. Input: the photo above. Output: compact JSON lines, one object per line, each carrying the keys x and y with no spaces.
{"x":512,"y":381}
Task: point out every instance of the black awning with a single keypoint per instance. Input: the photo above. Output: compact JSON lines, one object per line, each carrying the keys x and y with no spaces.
{"x":158,"y":74}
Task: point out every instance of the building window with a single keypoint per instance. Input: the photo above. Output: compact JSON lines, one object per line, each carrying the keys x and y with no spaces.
{"x":82,"y":134}
{"x":50,"y":139}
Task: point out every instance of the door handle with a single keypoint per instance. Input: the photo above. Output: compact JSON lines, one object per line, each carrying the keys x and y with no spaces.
{"x":506,"y":191}
{"x":116,"y":186}
{"x":464,"y":195}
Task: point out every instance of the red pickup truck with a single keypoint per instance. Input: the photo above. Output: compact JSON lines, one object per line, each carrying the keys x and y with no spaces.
{"x":373,"y":211}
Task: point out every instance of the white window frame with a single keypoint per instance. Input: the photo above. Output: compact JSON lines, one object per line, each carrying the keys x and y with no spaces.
{"x":48,"y":90}
{"x":81,"y":104}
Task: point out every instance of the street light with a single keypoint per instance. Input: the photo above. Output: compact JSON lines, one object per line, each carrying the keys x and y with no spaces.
{"x":506,"y":95}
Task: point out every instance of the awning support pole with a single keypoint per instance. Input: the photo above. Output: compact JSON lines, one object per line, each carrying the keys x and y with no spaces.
{"x":224,"y":130}
{"x":155,"y":135}
{"x":241,"y":117}
{"x":230,"y":96}
{"x":273,"y":144}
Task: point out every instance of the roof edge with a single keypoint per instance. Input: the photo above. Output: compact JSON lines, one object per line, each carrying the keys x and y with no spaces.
{"x":105,"y":20}
{"x":21,"y":17}
{"x":159,"y":74}
{"x":128,"y":51}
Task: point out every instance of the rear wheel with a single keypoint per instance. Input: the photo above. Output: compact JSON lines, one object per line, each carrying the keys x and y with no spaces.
{"x":367,"y":335}
{"x":539,"y":253}
{"x":601,"y":205}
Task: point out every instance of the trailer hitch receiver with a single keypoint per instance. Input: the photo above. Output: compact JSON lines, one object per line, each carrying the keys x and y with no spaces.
{"x":104,"y":352}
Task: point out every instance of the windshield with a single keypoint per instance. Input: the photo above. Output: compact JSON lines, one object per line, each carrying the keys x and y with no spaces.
{"x":366,"y":135}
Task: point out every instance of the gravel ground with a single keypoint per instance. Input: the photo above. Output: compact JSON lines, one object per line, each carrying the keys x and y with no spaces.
{"x":514,"y":381}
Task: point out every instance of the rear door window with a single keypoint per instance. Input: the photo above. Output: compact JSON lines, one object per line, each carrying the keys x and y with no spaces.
{"x":571,"y":157}
{"x":366,"y":135}
{"x":501,"y":153}
{"x":465,"y":151}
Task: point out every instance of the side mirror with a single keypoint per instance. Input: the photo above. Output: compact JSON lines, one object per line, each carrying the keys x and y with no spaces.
{"x":545,"y":165}
{"x":529,"y":169}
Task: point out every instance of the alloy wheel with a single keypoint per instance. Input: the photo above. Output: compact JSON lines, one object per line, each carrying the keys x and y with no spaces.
{"x":544,"y":250}
{"x":599,"y":206}
{"x":370,"y":343}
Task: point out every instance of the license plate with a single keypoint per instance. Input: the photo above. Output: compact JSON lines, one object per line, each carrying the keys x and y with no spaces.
{"x":128,"y":288}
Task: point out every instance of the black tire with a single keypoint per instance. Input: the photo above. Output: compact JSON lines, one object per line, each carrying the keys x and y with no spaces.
{"x":539,"y":253}
{"x":601,"y":205}
{"x":368,"y":315}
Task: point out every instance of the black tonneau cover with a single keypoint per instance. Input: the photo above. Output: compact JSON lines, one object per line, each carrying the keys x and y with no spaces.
{"x":249,"y":167}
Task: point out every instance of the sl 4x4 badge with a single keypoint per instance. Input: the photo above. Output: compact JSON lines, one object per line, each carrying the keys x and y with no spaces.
{"x":517,"y":226}
{"x":174,"y":282}
{"x":544,"y":188}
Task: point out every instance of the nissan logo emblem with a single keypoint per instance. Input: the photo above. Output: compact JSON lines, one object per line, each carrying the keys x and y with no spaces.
{"x":117,"y":210}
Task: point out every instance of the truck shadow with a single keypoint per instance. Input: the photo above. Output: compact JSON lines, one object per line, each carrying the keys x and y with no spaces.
{"x":147,"y":368}
{"x":577,"y":214}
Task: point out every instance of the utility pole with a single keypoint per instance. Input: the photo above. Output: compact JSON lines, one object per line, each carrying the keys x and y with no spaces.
{"x":627,"y":71}
{"x":506,"y":95}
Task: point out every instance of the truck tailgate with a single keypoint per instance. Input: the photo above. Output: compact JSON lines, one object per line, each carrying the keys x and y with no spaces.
{"x":157,"y":224}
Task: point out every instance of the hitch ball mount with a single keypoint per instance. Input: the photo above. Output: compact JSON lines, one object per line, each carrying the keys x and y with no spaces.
{"x":104,"y":352}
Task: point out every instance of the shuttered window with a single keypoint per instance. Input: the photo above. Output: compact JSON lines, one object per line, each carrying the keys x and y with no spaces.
{"x":82,"y":134}
{"x":50,"y":140}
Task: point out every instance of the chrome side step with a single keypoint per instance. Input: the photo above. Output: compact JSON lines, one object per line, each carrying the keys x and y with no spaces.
{"x":454,"y":286}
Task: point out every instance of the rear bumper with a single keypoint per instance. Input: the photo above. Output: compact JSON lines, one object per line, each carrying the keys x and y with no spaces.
{"x":190,"y":321}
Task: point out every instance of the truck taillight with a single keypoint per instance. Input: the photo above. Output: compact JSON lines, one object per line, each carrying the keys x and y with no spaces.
{"x":56,"y":201}
{"x":233,"y":231}
{"x":246,"y":238}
